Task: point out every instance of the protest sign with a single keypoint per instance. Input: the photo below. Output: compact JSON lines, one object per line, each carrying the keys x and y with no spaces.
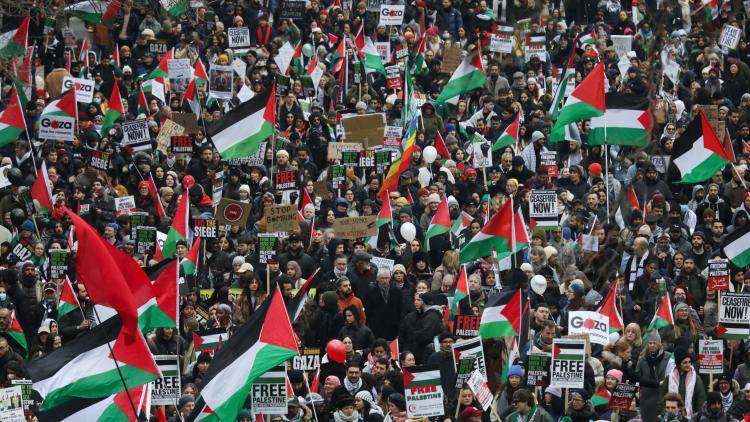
{"x":594,"y":324}
{"x":58,"y":263}
{"x":58,"y":128}
{"x":307,"y":360}
{"x":661,"y":162}
{"x":466,"y":326}
{"x":338,"y":175}
{"x":718,"y":274}
{"x":452,"y":57}
{"x":367,"y":159}
{"x":169,"y":128}
{"x":383,"y":160}
{"x":99,"y":160}
{"x":543,"y":208}
{"x":380,"y":262}
{"x":623,"y":396}
{"x":137,"y":219}
{"x":384,"y":50}
{"x":205,"y":228}
{"x":589,"y":243}
{"x":135,"y":134}
{"x":734,"y":316}
{"x":568,"y":363}
{"x":537,"y":369}
{"x":217,"y":188}
{"x":285,"y":180}
{"x":350,"y":158}
{"x":189,"y":121}
{"x":468,"y":356}
{"x":710,"y":356}
{"x":268,"y":393}
{"x":84,"y":88}
{"x":355,"y":227}
{"x":292,"y":9}
{"x":478,"y":385}
{"x":11,"y":405}
{"x":392,"y":14}
{"x":181,"y":144}
{"x":730,"y":37}
{"x":480,"y":150}
{"x":366,"y":129}
{"x":220,"y":82}
{"x":423,"y":392}
{"x":622,"y":44}
{"x":392,"y":136}
{"x":125,"y":204}
{"x":145,"y":240}
{"x":336,"y":148}
{"x":179,"y":68}
{"x":500,"y":44}
{"x":166,"y":389}
{"x":267,"y":244}
{"x":536,"y":45}
{"x":281,"y":218}
{"x":158,"y":46}
{"x":238,"y":37}
{"x":393,"y":77}
{"x":253,"y":160}
{"x":27,"y":396}
{"x":231,"y":212}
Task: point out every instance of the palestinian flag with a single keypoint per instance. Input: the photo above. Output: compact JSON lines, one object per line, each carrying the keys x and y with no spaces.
{"x":175,"y":7}
{"x":338,"y":57}
{"x":114,"y":408}
{"x":404,"y":162}
{"x":410,"y":99}
{"x":95,"y":11}
{"x":441,"y":146}
{"x":601,"y":397}
{"x":440,"y":223}
{"x":462,"y":223}
{"x":587,"y":40}
{"x":68,"y":299}
{"x":736,"y":246}
{"x":627,"y":121}
{"x":568,"y":349}
{"x":180,"y":227}
{"x":417,"y":376}
{"x":663,"y":317}
{"x":562,"y":88}
{"x":115,"y":58}
{"x":142,"y":102}
{"x":190,"y":262}
{"x":462,"y":291}
{"x":468,"y":76}
{"x":241,"y":131}
{"x":15,"y":332}
{"x":190,"y":99}
{"x":296,"y":62}
{"x":711,"y":8}
{"x":209,"y":341}
{"x":165,"y":284}
{"x":502,"y":315}
{"x":84,"y":368}
{"x":698,"y":154}
{"x":505,"y":233}
{"x":12,"y":121}
{"x":41,"y":192}
{"x":385,"y":215}
{"x":65,"y":106}
{"x":114,"y":111}
{"x":162,"y":70}
{"x":13,"y":43}
{"x":509,"y":135}
{"x":628,"y":203}
{"x":510,"y":360}
{"x":199,"y":73}
{"x":314,"y":71}
{"x":419,"y":61}
{"x":299,"y":300}
{"x":259,"y":345}
{"x":585,"y":102}
{"x":154,"y":193}
{"x":609,"y":309}
{"x":367,"y":53}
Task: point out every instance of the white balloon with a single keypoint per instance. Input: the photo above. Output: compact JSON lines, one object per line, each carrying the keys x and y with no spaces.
{"x":538,"y":284}
{"x":429,"y":153}
{"x":408,"y":231}
{"x":424,"y":176}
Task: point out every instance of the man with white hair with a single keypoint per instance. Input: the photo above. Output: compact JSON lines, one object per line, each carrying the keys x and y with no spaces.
{"x":384,"y":300}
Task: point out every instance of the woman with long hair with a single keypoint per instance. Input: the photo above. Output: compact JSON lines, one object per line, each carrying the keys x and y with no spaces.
{"x":448,"y":267}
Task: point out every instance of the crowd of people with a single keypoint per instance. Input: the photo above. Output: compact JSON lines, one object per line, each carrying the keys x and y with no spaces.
{"x":658,"y":245}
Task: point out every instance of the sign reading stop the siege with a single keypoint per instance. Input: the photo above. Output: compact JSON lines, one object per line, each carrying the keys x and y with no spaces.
{"x":231,"y":212}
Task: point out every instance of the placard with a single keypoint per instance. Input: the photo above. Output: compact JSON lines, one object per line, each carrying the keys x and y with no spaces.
{"x":730,"y":37}
{"x":205,"y":228}
{"x":11,"y":409}
{"x":383,"y":160}
{"x":392,"y":136}
{"x":99,"y":160}
{"x":58,"y":128}
{"x":589,"y":243}
{"x":267,"y":245}
{"x":220,"y":81}
{"x":481,"y":151}
{"x":622,"y":44}
{"x":58,"y":263}
{"x":466,"y":326}
{"x":283,"y":180}
{"x":168,"y":129}
{"x":355,"y":227}
{"x":734,"y":318}
{"x":468,"y":356}
{"x":384,"y":50}
{"x":568,"y":363}
{"x":166,"y":389}
{"x":125,"y":204}
{"x":135,"y":133}
{"x":543,"y":208}
{"x":710,"y":356}
{"x":367,"y":159}
{"x":307,"y":360}
{"x":623,"y":396}
{"x":349,"y":158}
{"x":281,"y":218}
{"x":182,"y":144}
{"x":537,"y":369}
{"x":231,"y":212}
{"x":500,"y":44}
{"x":292,"y":10}
{"x":338,"y":176}
{"x":392,"y":14}
{"x":27,"y":396}
{"x":84,"y":88}
{"x":238,"y":37}
{"x":423,"y":392}
{"x":451,"y":59}
{"x":593,"y":324}
{"x":549,"y":159}
{"x":393,"y":77}
{"x":137,"y":219}
{"x":179,"y":68}
{"x":145,"y":240}
{"x":661,"y":162}
{"x":718,"y":275}
{"x":367,"y":129}
{"x":268,"y":393}
{"x":158,"y":46}
{"x":335,"y":149}
{"x":189,"y":122}
{"x":379,"y":262}
{"x":253,"y":160}
{"x":536,"y":45}
{"x":478,"y":385}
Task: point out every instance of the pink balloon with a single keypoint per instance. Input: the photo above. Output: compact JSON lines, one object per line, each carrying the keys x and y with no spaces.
{"x":336,"y":351}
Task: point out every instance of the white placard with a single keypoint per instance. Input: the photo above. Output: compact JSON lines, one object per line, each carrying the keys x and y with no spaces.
{"x":59,"y":128}
{"x":239,"y":37}
{"x":392,"y":14}
{"x":593,"y":324}
{"x":240,"y":68}
{"x":384,"y":50}
{"x":568,"y":363}
{"x":179,"y":68}
{"x":500,"y":44}
{"x":622,"y":44}
{"x":125,"y":203}
{"x":220,"y":83}
{"x":380,"y":262}
{"x":135,"y":132}
{"x":166,"y":390}
{"x":84,"y":88}
{"x":730,"y":37}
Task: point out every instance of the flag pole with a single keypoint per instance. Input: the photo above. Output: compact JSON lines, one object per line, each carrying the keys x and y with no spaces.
{"x":307,"y":383}
{"x":606,"y":165}
{"x":513,"y":233}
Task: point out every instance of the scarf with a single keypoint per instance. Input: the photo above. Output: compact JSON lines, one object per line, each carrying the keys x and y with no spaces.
{"x":674,"y":386}
{"x":727,"y":400}
{"x":350,"y":387}
{"x":527,"y":418}
{"x":636,"y":269}
{"x":338,"y":416}
{"x":263,"y":37}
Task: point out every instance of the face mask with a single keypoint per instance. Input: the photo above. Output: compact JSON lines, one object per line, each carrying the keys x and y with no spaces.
{"x":3,"y":296}
{"x":97,"y":100}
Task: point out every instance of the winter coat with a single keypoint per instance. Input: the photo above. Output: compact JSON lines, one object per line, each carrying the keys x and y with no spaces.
{"x":650,"y":371}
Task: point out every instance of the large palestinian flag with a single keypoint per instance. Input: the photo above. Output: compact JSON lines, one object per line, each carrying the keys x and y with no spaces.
{"x":509,"y":135}
{"x":12,"y":121}
{"x":502,"y":315}
{"x":241,"y":131}
{"x":736,"y":246}
{"x":505,"y":233}
{"x":85,"y":367}
{"x":468,"y":76}
{"x":95,"y":11}
{"x":585,"y":102}
{"x":627,"y":121}
{"x":259,"y":345}
{"x":698,"y":154}
{"x":13,"y":43}
{"x":115,"y":408}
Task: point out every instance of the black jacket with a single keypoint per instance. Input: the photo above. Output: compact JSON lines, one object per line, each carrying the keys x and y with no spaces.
{"x":389,"y":313}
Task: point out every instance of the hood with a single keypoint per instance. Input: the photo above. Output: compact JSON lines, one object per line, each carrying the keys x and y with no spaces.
{"x":696,"y":188}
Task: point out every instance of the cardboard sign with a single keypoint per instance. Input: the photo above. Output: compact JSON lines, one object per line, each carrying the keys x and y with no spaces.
{"x":307,"y":360}
{"x":499,"y":44}
{"x":58,"y":263}
{"x":267,"y":245}
{"x":451,"y":59}
{"x":189,"y":122}
{"x":537,"y":369}
{"x":181,"y":144}
{"x":623,"y":396}
{"x":179,"y":68}
{"x":466,"y":325}
{"x":366,"y":129}
{"x":232,"y":213}
{"x":718,"y":274}
{"x":355,"y":227}
{"x":478,"y":385}
{"x":145,"y":240}
{"x":281,"y":218}
{"x":468,"y":356}
{"x":238,"y":37}
{"x":283,"y":180}
{"x":710,"y":356}
{"x":335,"y":149}
{"x":730,"y":37}
{"x":166,"y":389}
{"x":568,"y":363}
{"x":205,"y":228}
{"x":594,"y":324}
{"x":135,"y":132}
{"x":168,"y":129}
{"x":84,"y":88}
{"x":268,"y":393}
{"x":392,"y":14}
{"x":734,"y":316}
{"x":220,"y":81}
{"x":58,"y":128}
{"x":12,"y":405}
{"x":423,"y":392}
{"x":543,"y":208}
